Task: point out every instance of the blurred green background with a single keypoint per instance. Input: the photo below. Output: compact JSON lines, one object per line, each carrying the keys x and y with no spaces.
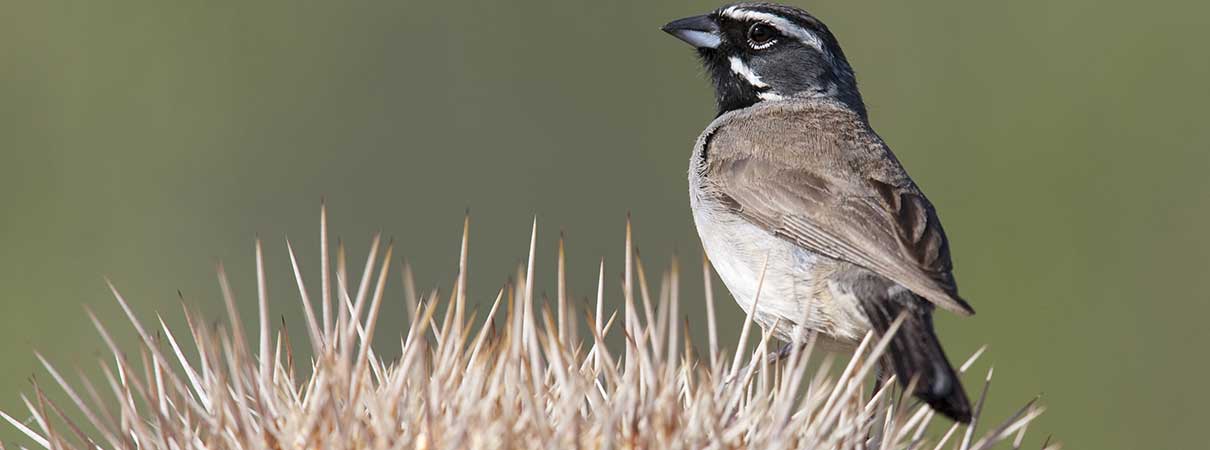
{"x":1064,"y":144}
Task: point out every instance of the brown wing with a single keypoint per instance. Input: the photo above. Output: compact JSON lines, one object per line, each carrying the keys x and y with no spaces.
{"x":834,"y":188}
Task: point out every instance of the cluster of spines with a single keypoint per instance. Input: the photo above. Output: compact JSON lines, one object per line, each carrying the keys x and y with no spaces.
{"x":522,"y":379}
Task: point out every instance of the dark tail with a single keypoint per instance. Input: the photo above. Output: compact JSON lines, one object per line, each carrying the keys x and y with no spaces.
{"x":914,"y":351}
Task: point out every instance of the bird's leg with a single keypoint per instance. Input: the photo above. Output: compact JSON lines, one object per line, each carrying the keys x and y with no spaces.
{"x":787,"y":350}
{"x":774,"y":358}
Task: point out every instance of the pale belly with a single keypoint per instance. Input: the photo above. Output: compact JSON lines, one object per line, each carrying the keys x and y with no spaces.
{"x":795,"y":289}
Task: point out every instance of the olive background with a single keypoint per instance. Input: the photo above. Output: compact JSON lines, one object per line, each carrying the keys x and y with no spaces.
{"x":1063,"y":143}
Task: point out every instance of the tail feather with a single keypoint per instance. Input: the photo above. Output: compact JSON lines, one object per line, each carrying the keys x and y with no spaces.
{"x":914,"y":352}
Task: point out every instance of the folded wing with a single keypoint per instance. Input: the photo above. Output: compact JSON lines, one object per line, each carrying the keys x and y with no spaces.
{"x":829,"y":191}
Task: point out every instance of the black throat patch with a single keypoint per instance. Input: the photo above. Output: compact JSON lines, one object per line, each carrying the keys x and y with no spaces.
{"x":731,"y":91}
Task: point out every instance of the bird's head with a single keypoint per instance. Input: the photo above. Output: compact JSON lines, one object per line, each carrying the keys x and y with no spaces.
{"x":758,"y":52}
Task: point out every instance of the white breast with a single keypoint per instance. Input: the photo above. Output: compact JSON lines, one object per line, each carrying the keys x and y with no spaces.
{"x":789,"y":295}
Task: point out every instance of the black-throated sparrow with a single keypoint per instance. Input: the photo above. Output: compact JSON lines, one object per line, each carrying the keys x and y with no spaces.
{"x":790,"y":179}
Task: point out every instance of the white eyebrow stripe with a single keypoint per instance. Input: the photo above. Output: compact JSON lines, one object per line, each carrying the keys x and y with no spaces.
{"x":741,"y":69}
{"x":782,"y":25}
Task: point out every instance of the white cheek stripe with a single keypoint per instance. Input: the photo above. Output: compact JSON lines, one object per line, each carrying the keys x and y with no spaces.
{"x":785,"y":26}
{"x":741,"y":69}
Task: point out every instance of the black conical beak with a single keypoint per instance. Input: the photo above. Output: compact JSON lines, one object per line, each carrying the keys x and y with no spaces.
{"x":698,"y":31}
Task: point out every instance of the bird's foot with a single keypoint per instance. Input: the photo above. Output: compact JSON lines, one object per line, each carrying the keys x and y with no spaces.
{"x":783,"y":353}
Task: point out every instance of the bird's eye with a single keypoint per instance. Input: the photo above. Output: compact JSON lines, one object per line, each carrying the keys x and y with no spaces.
{"x":761,"y":36}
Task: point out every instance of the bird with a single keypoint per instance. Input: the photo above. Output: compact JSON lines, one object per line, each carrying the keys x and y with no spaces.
{"x":798,"y":201}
